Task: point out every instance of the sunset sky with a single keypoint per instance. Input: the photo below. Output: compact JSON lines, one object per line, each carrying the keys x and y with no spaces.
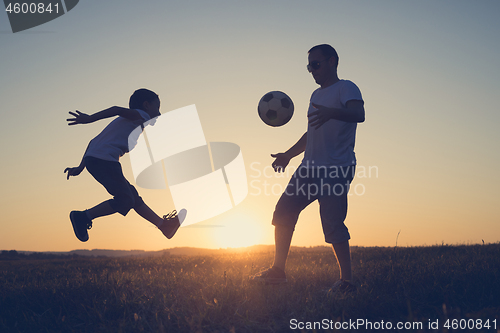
{"x":428,"y":72}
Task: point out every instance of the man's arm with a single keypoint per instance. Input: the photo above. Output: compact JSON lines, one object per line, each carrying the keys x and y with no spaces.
{"x":354,"y":112}
{"x":282,"y":159}
{"x":82,"y":118}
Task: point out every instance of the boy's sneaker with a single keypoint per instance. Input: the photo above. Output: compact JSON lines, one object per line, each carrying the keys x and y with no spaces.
{"x":81,"y":223}
{"x":273,"y":275}
{"x":171,"y":222}
{"x":342,"y":286}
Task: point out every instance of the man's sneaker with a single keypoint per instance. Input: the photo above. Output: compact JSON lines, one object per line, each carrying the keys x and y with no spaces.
{"x":171,"y":222}
{"x":273,"y":275}
{"x":81,"y":223}
{"x":343,"y":287}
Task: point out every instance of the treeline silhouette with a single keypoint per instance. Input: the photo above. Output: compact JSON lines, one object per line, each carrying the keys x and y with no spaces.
{"x":14,"y":255}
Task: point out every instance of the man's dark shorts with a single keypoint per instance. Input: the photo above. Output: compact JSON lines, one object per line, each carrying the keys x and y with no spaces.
{"x":110,"y":175}
{"x":330,"y":187}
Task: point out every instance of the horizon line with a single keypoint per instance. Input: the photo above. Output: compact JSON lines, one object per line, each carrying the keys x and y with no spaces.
{"x":246,"y":247}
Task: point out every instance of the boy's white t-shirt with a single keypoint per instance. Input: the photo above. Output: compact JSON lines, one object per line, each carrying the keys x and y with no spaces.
{"x":113,"y":141}
{"x":333,"y":143}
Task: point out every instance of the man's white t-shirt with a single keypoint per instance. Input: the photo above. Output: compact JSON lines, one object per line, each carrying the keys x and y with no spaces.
{"x":333,"y":143}
{"x":113,"y":141}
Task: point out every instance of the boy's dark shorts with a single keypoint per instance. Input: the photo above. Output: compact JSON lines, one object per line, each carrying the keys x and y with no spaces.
{"x":110,"y":175}
{"x":330,"y":187}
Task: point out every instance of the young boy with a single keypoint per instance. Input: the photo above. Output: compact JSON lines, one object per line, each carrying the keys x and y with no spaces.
{"x":102,"y":161}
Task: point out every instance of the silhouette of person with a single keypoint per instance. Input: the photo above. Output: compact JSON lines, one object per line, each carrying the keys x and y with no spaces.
{"x":102,"y":161}
{"x":326,"y":171}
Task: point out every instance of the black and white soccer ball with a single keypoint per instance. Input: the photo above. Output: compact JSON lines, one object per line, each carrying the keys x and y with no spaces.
{"x":275,"y":108}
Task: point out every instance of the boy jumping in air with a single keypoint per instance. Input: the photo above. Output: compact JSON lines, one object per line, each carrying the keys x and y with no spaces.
{"x":102,"y":161}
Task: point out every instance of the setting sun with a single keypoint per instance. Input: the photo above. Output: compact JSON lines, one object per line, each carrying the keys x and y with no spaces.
{"x":239,"y":231}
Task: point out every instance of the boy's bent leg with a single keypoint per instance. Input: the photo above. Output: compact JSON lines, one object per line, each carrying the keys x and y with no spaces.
{"x":102,"y":209}
{"x":110,"y":175}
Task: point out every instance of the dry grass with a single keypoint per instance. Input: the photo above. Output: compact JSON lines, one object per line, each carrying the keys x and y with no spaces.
{"x":211,"y":293}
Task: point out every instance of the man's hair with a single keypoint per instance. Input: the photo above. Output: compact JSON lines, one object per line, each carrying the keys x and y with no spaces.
{"x":327,"y":50}
{"x":140,"y":96}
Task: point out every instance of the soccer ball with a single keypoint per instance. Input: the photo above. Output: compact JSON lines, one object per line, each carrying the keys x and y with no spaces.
{"x":275,"y":108}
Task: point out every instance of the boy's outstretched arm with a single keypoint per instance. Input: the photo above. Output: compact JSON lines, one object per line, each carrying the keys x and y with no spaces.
{"x":75,"y":171}
{"x":83,"y":118}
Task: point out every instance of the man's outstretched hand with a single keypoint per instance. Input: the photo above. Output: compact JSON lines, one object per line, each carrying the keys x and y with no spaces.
{"x":74,"y":171}
{"x":79,"y":118}
{"x":280,"y":162}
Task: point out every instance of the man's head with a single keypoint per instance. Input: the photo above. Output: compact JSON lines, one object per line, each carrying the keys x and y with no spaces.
{"x":323,"y":62}
{"x":145,"y":100}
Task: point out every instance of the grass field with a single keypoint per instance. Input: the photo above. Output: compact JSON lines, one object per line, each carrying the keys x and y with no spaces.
{"x":414,"y":287}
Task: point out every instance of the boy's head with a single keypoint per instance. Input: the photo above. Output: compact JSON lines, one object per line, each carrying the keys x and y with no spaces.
{"x":145,"y":100}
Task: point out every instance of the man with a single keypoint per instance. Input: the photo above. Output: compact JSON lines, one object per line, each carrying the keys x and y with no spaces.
{"x":326,"y":171}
